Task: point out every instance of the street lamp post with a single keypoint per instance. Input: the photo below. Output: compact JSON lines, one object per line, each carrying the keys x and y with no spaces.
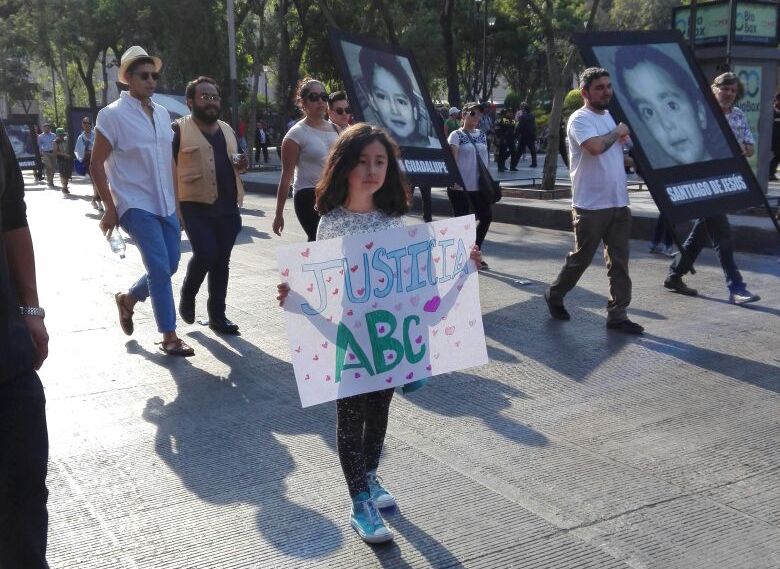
{"x":266,"y":69}
{"x":485,"y":23}
{"x":231,"y":28}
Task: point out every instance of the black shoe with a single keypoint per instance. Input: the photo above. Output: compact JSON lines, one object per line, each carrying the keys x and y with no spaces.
{"x":626,"y":326}
{"x":743,"y":297}
{"x":513,"y":169}
{"x":502,"y":169}
{"x":675,"y":283}
{"x":223,"y":326}
{"x":187,"y":308}
{"x":534,"y":165}
{"x":557,"y":311}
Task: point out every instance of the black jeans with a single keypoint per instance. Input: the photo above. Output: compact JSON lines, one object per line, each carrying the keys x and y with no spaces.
{"x":212,"y":239}
{"x":662,"y":233}
{"x":524,"y":143}
{"x":506,"y":148}
{"x":24,"y":450}
{"x":719,"y":231}
{"x":425,"y":199}
{"x":360,"y":434}
{"x":303,"y":201}
{"x":264,"y":148}
{"x":483,"y":210}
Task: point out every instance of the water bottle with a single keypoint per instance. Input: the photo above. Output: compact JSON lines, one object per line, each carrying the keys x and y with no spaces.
{"x":117,"y":242}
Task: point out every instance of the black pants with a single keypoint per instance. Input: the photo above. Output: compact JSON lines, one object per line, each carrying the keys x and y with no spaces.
{"x":662,"y":233}
{"x":530,"y":144}
{"x":264,"y":148}
{"x":307,"y":216}
{"x":775,"y":161}
{"x":425,"y":199}
{"x":361,"y":428}
{"x":461,"y":201}
{"x":563,"y":150}
{"x":506,"y":148}
{"x":212,"y":239}
{"x":24,"y":450}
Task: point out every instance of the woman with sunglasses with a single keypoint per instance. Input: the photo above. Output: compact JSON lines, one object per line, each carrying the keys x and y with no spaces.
{"x":468,"y":145}
{"x":304,"y":150}
{"x":339,"y":112}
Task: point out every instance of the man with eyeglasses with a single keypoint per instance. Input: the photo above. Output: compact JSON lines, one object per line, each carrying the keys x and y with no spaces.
{"x":133,"y":152}
{"x":339,"y":112}
{"x":208,"y":164}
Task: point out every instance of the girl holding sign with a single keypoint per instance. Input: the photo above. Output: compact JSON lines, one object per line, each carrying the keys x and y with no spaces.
{"x":362,"y":191}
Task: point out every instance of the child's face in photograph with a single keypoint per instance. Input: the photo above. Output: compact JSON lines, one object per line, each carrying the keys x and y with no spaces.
{"x":395,"y":108}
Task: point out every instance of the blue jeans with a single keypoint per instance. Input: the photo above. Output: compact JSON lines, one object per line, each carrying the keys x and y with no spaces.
{"x":212,"y":239}
{"x":719,"y":231}
{"x":158,"y":240}
{"x":24,"y":450}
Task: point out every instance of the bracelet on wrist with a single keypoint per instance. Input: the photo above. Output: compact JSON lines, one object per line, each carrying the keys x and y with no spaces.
{"x":32,"y":311}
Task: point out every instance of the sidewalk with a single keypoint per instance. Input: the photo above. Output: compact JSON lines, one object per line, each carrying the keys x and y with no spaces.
{"x":752,"y":233}
{"x":573,"y":448}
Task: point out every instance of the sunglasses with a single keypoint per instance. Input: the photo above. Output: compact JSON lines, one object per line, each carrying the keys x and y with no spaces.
{"x":144,"y":75}
{"x":314,"y":97}
{"x":345,"y":111}
{"x":206,"y":97}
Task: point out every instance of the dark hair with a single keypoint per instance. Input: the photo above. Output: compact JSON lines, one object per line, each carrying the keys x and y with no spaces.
{"x":590,"y":75}
{"x":332,"y":189}
{"x":371,"y":59}
{"x":138,"y":62}
{"x":336,"y":96}
{"x":189,"y":92}
{"x":303,"y":87}
{"x":630,"y":56}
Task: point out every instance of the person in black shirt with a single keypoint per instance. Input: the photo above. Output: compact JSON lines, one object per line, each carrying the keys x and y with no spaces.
{"x":24,"y":445}
{"x":525,"y":132}
{"x":209,"y":191}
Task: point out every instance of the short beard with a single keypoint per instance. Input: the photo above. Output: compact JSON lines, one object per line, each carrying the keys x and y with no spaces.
{"x":203,"y":116}
{"x":600,"y":106}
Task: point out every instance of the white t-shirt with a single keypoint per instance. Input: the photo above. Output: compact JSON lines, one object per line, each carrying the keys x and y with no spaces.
{"x":467,"y":158}
{"x":140,"y":166}
{"x":598,"y":182}
{"x":314,"y":146}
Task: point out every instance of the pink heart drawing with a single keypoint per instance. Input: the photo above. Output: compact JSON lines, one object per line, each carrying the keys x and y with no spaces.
{"x":349,"y":312}
{"x":327,"y":378}
{"x":472,"y":322}
{"x":390,"y":356}
{"x":381,"y":279}
{"x":335,"y":291}
{"x":381,"y":329}
{"x":457,"y":344}
{"x":307,"y":378}
{"x":286,"y":272}
{"x":422,"y":269}
{"x":341,"y":271}
{"x":407,"y":271}
{"x":298,"y":349}
{"x":360,"y":291}
{"x":436,"y":259}
{"x":389,"y":379}
{"x":310,"y":287}
{"x":432,"y":305}
{"x":351,"y":357}
{"x":369,"y":245}
{"x":324,"y":345}
{"x":330,"y":318}
{"x":418,"y":340}
{"x":357,"y":375}
{"x":410,"y":375}
{"x":398,"y":307}
{"x":415,"y":300}
{"x":412,"y":232}
{"x":428,"y":367}
{"x":305,"y":252}
{"x":435,"y":331}
{"x":452,"y":256}
{"x":449,"y":330}
{"x":374,"y":304}
{"x":353,"y":268}
{"x":328,"y":279}
{"x":316,"y":357}
{"x":443,"y":231}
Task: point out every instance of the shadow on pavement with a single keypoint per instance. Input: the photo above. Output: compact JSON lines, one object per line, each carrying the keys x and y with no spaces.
{"x":249,"y":234}
{"x":254,"y":212}
{"x":390,"y":555}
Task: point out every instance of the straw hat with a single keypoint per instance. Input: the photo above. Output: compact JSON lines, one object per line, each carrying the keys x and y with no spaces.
{"x":132,"y":54}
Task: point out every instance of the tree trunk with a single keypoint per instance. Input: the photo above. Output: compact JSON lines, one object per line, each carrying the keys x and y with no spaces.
{"x":445,"y":20}
{"x":381,"y":7}
{"x":104,"y":94}
{"x":283,"y":87}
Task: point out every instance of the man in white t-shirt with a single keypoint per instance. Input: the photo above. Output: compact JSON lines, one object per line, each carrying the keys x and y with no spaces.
{"x":599,"y":202}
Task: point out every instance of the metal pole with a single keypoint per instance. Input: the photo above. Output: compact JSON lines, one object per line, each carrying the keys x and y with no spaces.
{"x":231,"y":25}
{"x":54,"y":97}
{"x":484,"y":52}
{"x":692,"y":25}
{"x":730,"y":37}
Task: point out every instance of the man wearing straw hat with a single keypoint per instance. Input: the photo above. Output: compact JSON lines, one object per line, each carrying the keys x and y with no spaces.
{"x":133,"y":152}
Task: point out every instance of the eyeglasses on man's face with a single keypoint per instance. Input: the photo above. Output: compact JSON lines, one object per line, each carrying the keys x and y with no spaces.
{"x":209,"y":98}
{"x":144,"y":75}
{"x":314,"y":97}
{"x":344,"y":111}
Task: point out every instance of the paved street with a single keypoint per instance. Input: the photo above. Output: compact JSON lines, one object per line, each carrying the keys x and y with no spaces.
{"x":573,"y":448}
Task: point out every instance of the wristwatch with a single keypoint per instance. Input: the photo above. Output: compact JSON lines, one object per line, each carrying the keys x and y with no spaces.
{"x":32,"y":311}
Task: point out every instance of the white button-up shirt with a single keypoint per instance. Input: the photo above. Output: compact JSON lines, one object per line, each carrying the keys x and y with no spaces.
{"x":139,"y":168}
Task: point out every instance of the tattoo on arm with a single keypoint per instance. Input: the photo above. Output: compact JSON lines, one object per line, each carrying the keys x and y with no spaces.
{"x":608,"y":140}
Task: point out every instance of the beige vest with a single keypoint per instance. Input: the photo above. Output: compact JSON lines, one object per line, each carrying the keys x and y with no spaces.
{"x":197,"y":177}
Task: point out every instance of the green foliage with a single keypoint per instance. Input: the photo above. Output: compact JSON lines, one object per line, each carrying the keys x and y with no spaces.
{"x":513,"y":100}
{"x":573,"y":101}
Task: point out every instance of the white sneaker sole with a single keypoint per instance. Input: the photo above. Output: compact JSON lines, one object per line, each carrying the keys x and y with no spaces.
{"x":386,"y":501}
{"x":378,"y":537}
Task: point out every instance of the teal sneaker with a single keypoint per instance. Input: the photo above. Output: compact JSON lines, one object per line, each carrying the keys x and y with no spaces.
{"x":379,"y":494}
{"x":366,"y":521}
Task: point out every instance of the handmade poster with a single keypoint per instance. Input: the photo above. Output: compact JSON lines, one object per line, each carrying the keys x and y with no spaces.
{"x":385,"y":89}
{"x":683,"y":144}
{"x":379,"y":310}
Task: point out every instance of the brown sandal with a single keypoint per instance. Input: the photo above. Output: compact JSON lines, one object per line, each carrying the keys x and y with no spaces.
{"x":125,"y":319}
{"x":176,"y":347}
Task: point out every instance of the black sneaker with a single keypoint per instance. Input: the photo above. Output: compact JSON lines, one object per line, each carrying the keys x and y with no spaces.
{"x":557,"y":311}
{"x":223,"y":326}
{"x":743,"y":297}
{"x":483,"y":266}
{"x":187,"y":309}
{"x":626,"y":326}
{"x":675,"y":283}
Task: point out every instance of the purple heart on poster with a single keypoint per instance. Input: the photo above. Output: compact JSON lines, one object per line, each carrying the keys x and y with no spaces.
{"x":432,"y":305}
